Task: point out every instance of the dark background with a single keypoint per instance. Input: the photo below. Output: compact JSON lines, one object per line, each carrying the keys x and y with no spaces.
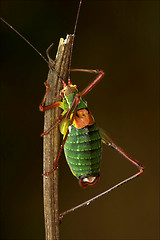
{"x":122,"y":38}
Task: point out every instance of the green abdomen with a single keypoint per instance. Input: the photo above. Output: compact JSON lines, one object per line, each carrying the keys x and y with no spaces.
{"x":83,"y":151}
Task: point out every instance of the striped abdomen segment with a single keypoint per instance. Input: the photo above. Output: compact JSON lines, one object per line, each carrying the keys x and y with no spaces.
{"x":83,"y":151}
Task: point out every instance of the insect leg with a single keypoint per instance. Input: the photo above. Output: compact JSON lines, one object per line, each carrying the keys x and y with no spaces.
{"x":94,"y":82}
{"x":57,"y":104}
{"x":109,"y":142}
{"x":56,"y":124}
{"x":86,"y":203}
{"x":58,"y":156}
{"x":43,"y":108}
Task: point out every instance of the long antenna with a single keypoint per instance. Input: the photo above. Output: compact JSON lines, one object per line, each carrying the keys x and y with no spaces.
{"x":75,"y":27}
{"x":33,"y":48}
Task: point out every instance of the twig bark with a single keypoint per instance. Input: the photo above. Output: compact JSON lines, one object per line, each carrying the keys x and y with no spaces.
{"x":51,"y":141}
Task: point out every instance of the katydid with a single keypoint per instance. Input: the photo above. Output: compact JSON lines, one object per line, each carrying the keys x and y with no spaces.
{"x":82,"y":139}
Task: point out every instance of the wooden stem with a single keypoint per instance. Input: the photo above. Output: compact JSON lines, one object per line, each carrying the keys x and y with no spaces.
{"x":51,"y":141}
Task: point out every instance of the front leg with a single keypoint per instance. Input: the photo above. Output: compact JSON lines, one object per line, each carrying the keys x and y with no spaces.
{"x":43,"y":108}
{"x":93,"y":83}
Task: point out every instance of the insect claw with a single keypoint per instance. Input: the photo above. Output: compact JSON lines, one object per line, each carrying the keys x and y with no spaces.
{"x":41,"y":107}
{"x":69,"y":82}
{"x":64,"y":84}
{"x":60,"y":219}
{"x":46,"y":175}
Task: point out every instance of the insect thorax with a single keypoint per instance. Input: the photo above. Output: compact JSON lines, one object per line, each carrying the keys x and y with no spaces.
{"x":68,"y":100}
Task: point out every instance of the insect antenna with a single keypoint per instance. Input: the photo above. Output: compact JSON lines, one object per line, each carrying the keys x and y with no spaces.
{"x":75,"y":27}
{"x":34,"y":49}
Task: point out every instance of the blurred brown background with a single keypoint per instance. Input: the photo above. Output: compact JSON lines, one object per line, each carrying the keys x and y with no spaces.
{"x":122,"y":38}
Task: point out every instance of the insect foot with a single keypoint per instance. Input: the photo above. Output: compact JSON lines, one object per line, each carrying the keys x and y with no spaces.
{"x":60,"y":218}
{"x":41,"y":107}
{"x":97,"y":70}
{"x":46,"y":175}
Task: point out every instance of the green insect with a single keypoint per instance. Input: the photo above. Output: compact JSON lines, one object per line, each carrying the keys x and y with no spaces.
{"x":81,"y":136}
{"x":82,"y":139}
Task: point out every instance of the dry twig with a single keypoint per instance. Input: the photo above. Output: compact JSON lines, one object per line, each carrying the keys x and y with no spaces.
{"x":51,"y":141}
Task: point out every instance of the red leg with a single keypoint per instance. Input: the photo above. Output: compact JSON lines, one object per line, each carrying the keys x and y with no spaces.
{"x":108,"y":141}
{"x":86,"y":203}
{"x":56,"y":124}
{"x":58,"y":156}
{"x":46,"y":108}
{"x":95,"y":81}
{"x":43,"y":108}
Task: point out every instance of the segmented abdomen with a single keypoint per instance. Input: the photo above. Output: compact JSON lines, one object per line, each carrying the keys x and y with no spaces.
{"x":83,"y":151}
